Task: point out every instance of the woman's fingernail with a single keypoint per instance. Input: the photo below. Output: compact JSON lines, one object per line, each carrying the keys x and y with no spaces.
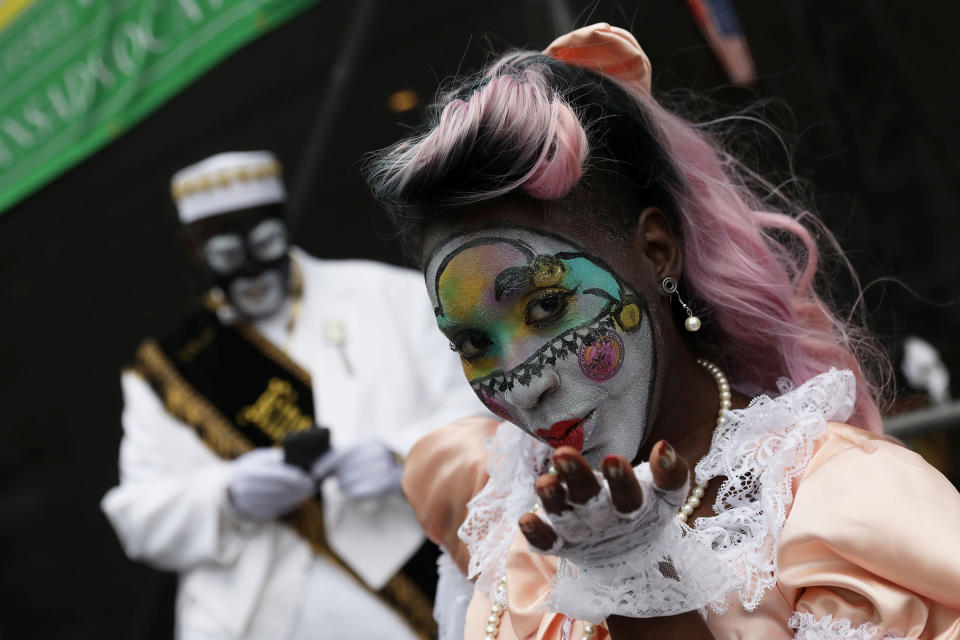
{"x":668,"y":457}
{"x":613,"y":467}
{"x":526,"y":527}
{"x":548,"y":492}
{"x":567,"y":465}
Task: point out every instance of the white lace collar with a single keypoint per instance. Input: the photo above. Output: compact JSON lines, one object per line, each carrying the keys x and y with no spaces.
{"x":516,"y":462}
{"x":760,"y":451}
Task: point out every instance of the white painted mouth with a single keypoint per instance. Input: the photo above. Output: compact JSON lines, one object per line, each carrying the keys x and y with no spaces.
{"x":260,"y":296}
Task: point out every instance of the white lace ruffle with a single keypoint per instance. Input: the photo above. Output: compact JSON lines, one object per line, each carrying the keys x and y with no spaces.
{"x":454,"y":593}
{"x":491,"y":523}
{"x":631,"y":564}
{"x":809,"y":627}
{"x":759,"y":452}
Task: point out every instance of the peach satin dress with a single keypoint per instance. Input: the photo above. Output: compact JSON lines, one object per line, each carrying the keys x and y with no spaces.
{"x":870,"y":547}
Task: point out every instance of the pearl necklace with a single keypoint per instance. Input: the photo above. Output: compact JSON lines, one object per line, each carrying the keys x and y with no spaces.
{"x":500,"y":599}
{"x":500,"y":605}
{"x":497,"y":609}
{"x":723,"y":387}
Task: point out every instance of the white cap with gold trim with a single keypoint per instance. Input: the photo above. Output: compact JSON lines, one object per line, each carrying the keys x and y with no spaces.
{"x":227,"y":182}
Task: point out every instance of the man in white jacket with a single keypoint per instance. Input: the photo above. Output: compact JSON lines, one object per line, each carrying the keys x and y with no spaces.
{"x":270,"y":539}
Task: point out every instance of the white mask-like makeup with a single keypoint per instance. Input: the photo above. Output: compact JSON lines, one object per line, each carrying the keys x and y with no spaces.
{"x":251,"y":266}
{"x":259,"y":296}
{"x":549,"y":336}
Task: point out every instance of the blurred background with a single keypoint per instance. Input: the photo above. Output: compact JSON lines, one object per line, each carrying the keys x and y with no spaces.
{"x":99,"y":105}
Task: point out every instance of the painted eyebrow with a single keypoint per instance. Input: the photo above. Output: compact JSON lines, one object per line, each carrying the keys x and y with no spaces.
{"x":510,"y":280}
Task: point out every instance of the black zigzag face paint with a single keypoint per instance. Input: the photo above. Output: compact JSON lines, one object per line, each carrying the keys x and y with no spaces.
{"x":549,"y":336}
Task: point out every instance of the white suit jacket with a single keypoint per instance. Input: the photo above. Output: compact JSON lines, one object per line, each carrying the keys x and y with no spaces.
{"x":241,"y":579}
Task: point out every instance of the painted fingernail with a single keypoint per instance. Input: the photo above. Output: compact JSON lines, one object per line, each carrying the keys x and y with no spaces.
{"x":567,"y":465}
{"x":548,"y":492}
{"x":613,"y":468}
{"x":668,"y":457}
{"x":526,"y":527}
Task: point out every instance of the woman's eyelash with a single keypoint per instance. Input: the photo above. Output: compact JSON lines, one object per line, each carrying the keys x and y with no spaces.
{"x":561,"y":297}
{"x":457,"y":345}
{"x":552,"y":294}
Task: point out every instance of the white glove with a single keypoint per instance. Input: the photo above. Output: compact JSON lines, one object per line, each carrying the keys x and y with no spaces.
{"x":595,"y":532}
{"x":367,"y":469}
{"x":262,"y":486}
{"x":639,"y":564}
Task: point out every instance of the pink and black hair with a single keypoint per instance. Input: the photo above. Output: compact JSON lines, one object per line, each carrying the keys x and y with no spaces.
{"x":531,"y":124}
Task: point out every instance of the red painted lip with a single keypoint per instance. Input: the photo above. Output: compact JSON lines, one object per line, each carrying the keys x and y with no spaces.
{"x":565,"y":433}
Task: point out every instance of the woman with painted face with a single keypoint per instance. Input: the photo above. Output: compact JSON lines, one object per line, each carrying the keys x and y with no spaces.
{"x":692,"y":444}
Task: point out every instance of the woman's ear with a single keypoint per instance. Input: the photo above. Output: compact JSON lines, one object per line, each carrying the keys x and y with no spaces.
{"x":656,"y":240}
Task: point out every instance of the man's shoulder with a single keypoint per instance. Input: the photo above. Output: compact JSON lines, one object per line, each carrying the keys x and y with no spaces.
{"x":357,"y":275}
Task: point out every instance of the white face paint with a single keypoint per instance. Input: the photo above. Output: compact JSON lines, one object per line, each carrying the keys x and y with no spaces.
{"x":260,"y":296}
{"x":225,"y":253}
{"x":549,"y":336}
{"x":268,"y":240}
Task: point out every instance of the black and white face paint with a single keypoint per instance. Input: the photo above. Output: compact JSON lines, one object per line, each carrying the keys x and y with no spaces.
{"x":251,"y":266}
{"x":549,"y":336}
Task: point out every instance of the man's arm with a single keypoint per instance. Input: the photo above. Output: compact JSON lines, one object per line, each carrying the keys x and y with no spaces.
{"x":170,"y":508}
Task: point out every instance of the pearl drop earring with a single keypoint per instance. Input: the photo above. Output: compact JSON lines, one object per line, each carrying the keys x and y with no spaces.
{"x":692,"y":323}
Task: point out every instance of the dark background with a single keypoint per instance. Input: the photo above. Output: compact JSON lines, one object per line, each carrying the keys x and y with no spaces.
{"x":92,"y":263}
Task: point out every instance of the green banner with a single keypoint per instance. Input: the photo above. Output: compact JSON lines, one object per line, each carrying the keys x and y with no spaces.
{"x":75,"y":74}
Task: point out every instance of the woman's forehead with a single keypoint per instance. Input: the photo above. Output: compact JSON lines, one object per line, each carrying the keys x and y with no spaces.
{"x":484,"y":253}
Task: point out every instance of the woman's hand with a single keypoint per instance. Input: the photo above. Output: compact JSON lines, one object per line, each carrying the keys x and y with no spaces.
{"x":576,"y":484}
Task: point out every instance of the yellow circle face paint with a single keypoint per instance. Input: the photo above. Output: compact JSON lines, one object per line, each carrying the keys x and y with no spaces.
{"x":549,"y":337}
{"x":629,"y":316}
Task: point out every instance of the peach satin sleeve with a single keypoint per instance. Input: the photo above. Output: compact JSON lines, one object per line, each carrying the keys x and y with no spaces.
{"x":874,"y":537}
{"x":442,"y":472}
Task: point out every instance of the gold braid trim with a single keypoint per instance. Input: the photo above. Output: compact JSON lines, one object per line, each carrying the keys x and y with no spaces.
{"x":183,"y":402}
{"x":406,"y":597}
{"x":224,"y":178}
